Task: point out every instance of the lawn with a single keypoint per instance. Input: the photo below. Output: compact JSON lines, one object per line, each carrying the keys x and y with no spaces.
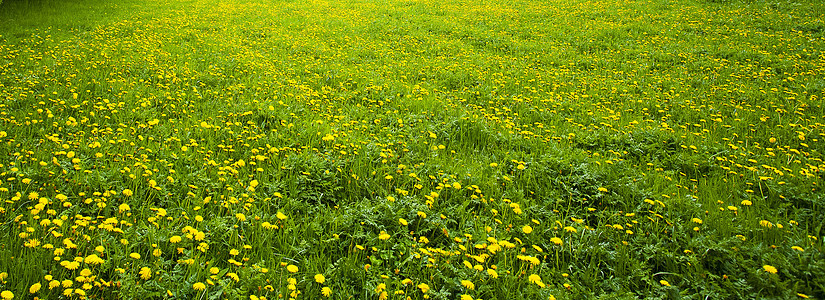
{"x":412,"y":149}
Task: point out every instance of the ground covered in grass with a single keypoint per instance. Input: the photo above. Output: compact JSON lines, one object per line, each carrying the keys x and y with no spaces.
{"x":412,"y":149}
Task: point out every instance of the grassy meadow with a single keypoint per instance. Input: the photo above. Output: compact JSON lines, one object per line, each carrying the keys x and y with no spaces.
{"x":412,"y":149}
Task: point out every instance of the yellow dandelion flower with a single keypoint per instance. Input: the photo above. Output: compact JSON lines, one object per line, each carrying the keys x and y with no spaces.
{"x":71,"y":265}
{"x":292,"y":268}
{"x":32,"y":243}
{"x":468,"y":284}
{"x":203,"y":247}
{"x":145,"y":273}
{"x":535,"y":278}
{"x":424,"y":287}
{"x":35,"y":288}
{"x":199,"y":286}
{"x":527,"y":229}
{"x":319,"y":278}
{"x":769,"y":269}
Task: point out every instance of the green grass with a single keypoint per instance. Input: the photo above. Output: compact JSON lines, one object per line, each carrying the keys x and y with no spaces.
{"x":421,"y":149}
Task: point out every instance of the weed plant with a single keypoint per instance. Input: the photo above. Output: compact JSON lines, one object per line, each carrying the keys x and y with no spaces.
{"x":411,"y":149}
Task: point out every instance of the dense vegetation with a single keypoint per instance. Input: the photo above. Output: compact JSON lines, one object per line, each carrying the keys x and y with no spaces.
{"x":421,"y":149}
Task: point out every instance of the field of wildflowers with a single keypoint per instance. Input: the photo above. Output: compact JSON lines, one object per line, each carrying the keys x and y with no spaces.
{"x":412,"y":149}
